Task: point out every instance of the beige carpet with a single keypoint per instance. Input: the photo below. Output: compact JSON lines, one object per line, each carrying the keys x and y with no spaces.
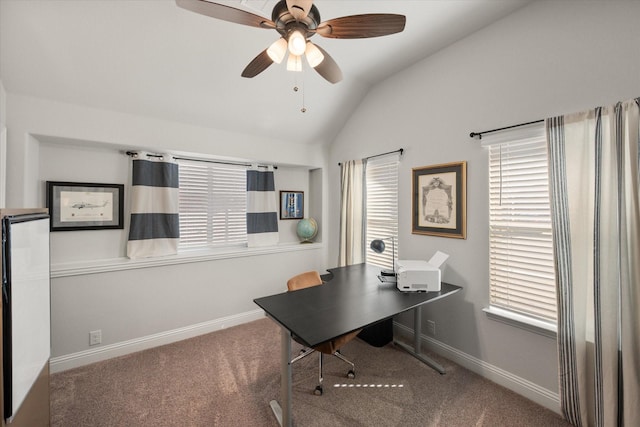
{"x":227,"y":378}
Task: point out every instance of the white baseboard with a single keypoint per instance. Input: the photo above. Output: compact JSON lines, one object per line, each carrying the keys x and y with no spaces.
{"x":526,"y":388}
{"x":523,"y":387}
{"x":85,"y":357}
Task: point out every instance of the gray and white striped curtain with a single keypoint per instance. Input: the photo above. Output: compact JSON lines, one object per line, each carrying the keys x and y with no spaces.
{"x":262,"y":208}
{"x":155,"y":225}
{"x":595,"y":191}
{"x":352,"y":213}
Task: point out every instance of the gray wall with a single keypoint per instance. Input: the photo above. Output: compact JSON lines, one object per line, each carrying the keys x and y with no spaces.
{"x":62,"y":160}
{"x":138,"y":304}
{"x":547,"y":59}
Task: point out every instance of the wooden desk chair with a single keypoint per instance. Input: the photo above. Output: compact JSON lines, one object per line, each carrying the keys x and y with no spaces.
{"x":306,"y":280}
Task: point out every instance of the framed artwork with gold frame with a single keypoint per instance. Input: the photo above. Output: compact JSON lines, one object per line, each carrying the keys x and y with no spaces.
{"x":439,"y":195}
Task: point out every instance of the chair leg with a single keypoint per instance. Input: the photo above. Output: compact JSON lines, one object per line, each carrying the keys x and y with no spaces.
{"x":303,"y":353}
{"x":352,"y":372}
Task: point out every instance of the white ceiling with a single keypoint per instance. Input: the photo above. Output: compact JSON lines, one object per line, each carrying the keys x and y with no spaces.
{"x":152,"y":58}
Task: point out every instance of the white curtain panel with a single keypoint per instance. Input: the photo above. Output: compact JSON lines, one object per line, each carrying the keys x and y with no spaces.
{"x":352,"y":213}
{"x":594,"y":161}
{"x":262,"y":208}
{"x":155,"y":222}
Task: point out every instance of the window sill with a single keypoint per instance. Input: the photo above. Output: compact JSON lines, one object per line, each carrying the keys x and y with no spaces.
{"x":523,"y":322}
{"x":79,"y":268}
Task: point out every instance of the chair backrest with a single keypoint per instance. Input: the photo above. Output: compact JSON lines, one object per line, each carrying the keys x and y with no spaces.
{"x":304,"y":280}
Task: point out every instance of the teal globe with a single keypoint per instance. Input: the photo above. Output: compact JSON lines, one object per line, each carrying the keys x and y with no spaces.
{"x":307,"y":229}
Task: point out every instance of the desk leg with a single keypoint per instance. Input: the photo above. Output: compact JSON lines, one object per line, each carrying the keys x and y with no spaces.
{"x":283,"y":413}
{"x":415,"y":351}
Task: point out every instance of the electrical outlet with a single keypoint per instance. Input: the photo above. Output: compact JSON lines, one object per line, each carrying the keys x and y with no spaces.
{"x":95,"y":337}
{"x":431,"y":328}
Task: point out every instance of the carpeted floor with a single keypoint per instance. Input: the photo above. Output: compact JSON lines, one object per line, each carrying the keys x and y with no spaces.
{"x":227,"y":378}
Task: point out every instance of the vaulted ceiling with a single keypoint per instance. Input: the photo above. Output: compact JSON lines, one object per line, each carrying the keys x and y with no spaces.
{"x":152,"y":58}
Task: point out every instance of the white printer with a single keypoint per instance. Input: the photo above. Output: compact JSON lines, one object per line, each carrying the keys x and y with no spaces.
{"x":418,"y":275}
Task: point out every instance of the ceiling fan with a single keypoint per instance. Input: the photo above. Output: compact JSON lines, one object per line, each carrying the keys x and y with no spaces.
{"x":297,"y":21}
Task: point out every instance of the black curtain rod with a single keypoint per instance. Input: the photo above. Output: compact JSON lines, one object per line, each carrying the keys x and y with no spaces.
{"x":219,"y":162}
{"x":479,"y":134}
{"x":400,"y":150}
{"x":133,"y":154}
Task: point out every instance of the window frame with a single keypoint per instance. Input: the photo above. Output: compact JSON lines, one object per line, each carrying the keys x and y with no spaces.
{"x":214,"y":225}
{"x":530,"y":134}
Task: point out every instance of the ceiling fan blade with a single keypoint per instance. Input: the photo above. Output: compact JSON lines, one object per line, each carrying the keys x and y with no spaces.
{"x":328,"y":68}
{"x":362,"y":26}
{"x":299,"y":8}
{"x":257,"y":65}
{"x":226,"y":13}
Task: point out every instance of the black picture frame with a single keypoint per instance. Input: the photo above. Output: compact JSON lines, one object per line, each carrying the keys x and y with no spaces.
{"x":85,"y":206}
{"x":440,"y":200}
{"x":291,"y":204}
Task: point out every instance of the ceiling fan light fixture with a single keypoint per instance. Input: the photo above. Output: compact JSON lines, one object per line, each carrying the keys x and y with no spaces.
{"x":294,"y":63}
{"x":277,"y":50}
{"x":297,"y":43}
{"x":313,"y":55}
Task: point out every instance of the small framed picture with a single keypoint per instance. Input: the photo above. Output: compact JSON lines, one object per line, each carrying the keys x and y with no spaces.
{"x":85,"y":206}
{"x":291,"y":204}
{"x":440,"y":200}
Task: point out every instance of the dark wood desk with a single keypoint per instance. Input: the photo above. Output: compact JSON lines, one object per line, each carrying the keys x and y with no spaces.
{"x":352,"y":299}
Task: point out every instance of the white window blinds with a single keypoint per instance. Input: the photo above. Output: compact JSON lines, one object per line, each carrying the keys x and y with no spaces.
{"x":382,"y":208}
{"x":522,"y":278}
{"x":213,"y":203}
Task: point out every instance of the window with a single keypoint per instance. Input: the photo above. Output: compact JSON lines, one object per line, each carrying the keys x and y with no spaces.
{"x":213,"y":203}
{"x":522,"y":278}
{"x":382,"y":208}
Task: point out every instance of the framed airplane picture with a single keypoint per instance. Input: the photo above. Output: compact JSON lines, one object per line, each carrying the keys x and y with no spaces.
{"x":85,"y":206}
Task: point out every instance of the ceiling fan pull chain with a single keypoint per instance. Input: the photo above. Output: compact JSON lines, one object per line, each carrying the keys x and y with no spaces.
{"x":296,"y":88}
{"x":304,"y":108}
